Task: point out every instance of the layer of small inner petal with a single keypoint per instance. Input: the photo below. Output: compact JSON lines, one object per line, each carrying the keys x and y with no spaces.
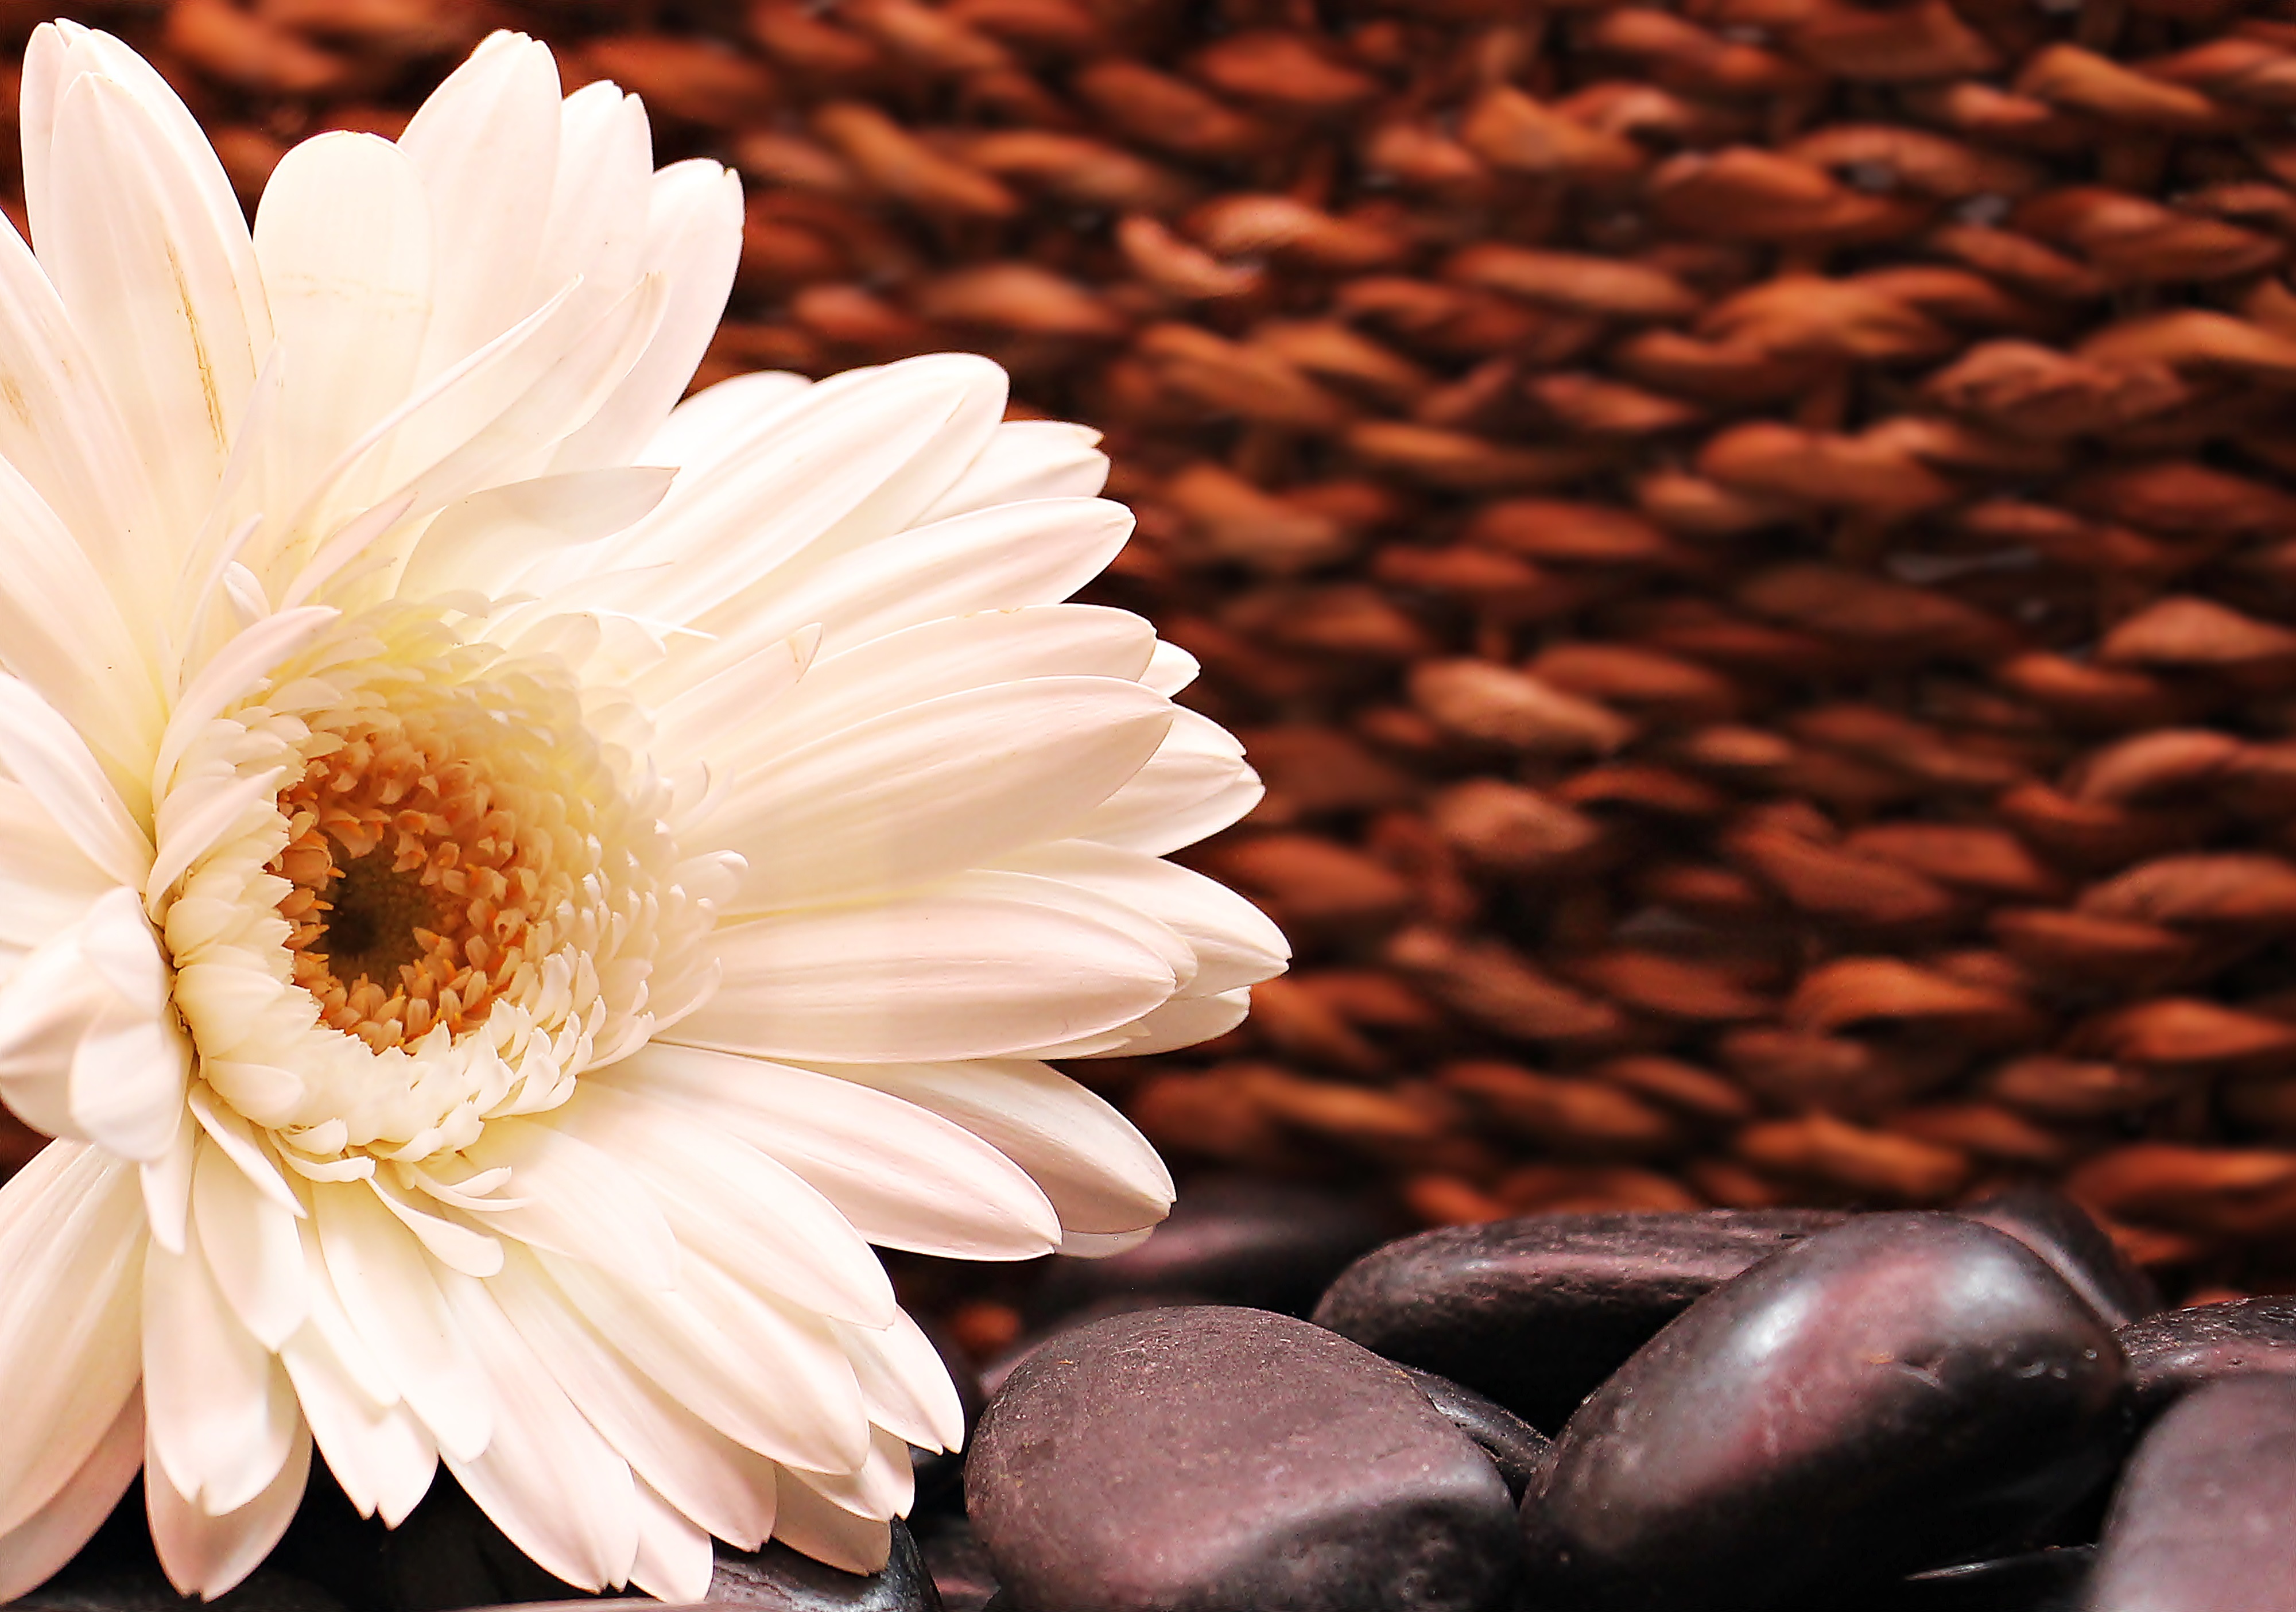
{"x":414,"y":894}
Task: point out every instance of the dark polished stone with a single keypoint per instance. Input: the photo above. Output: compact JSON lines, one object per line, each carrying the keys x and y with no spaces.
{"x":1535,"y":1311}
{"x":958,"y":1563}
{"x":2063,"y":1233}
{"x":992,"y":1375}
{"x":2039,"y":1580}
{"x":2205,"y":1517}
{"x":1225,"y":1460}
{"x":1228,"y":1241}
{"x":2172,"y":1354}
{"x":1520,"y":1452}
{"x":1902,"y":1392}
{"x":448,"y":1555}
{"x":147,"y":1590}
{"x":777,"y":1579}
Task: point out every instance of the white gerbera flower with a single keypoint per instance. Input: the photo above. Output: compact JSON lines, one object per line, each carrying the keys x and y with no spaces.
{"x":508,"y":889}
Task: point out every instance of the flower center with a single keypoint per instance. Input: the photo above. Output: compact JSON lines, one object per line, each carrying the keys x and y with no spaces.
{"x":412,"y":898}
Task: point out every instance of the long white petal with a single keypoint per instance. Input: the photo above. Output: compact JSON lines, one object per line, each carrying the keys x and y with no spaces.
{"x":545,"y":1478}
{"x":71,"y":1266}
{"x":43,"y":752}
{"x":390,"y":1290}
{"x":486,"y":144}
{"x":675,"y":1558}
{"x":726,"y":1488}
{"x":42,"y":1543}
{"x":156,"y":284}
{"x":735,"y":1206}
{"x":905,"y":1383}
{"x":1236,"y":943}
{"x":984,"y":965}
{"x":343,"y":236}
{"x":693,"y":237}
{"x":947,"y":784}
{"x":1027,"y":459}
{"x":954,"y":1196}
{"x":204,"y":1555}
{"x":253,"y":1248}
{"x":829,"y":1532}
{"x":576,"y":1199}
{"x":1100,"y":1172}
{"x":380,"y":1455}
{"x":220,"y":1410}
{"x":1195,"y":786}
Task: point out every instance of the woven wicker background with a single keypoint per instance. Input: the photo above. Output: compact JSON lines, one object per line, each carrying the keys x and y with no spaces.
{"x":1752,"y":540}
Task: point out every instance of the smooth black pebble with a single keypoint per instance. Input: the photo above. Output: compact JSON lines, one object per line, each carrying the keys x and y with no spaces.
{"x":777,"y":1579}
{"x":1223,"y":1459}
{"x":2205,"y":1517}
{"x":1520,"y":1452}
{"x":1534,"y":1312}
{"x":2077,"y":1248}
{"x":1228,"y":1241}
{"x":1897,"y":1393}
{"x":2177,"y":1350}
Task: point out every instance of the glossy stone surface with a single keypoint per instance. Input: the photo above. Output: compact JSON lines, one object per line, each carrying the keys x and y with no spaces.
{"x":2039,"y":1580}
{"x":959,"y":1565}
{"x":780,"y":1580}
{"x":2173,"y":1352}
{"x":1534,"y":1312}
{"x":1228,"y":1241}
{"x":1520,"y":1452}
{"x":1219,"y":1460}
{"x":147,"y":1590}
{"x":2077,"y":1248}
{"x":2205,"y":1517}
{"x":1894,"y":1394}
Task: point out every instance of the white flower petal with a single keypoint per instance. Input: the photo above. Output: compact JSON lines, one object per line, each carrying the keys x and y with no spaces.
{"x":156,"y":284}
{"x":58,"y":623}
{"x":597,"y":214}
{"x":41,"y":751}
{"x":1027,"y":459}
{"x":1100,"y":1172}
{"x":253,"y":1249}
{"x":483,"y":541}
{"x":1182,"y":1022}
{"x":1171,"y":668}
{"x":379,"y":1453}
{"x":711,"y":1345}
{"x":727,"y":1489}
{"x":955,"y":654}
{"x":675,"y":1559}
{"x":579,"y":1200}
{"x":1196,"y":785}
{"x":735,"y":1206}
{"x":390,"y":1293}
{"x":924,"y":792}
{"x":46,"y":883}
{"x":204,"y":1555}
{"x":982,"y":966}
{"x":72,"y":1255}
{"x":954,"y":1196}
{"x":486,"y":144}
{"x":694,"y":238}
{"x":32,"y":1550}
{"x":545,"y":1478}
{"x":220,"y":1412}
{"x":1235,"y":943}
{"x":720,"y":419}
{"x":343,"y":236}
{"x":829,"y":1532}
{"x":905,"y":1383}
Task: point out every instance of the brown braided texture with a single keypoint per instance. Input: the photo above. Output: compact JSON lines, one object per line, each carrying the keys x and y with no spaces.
{"x":1751,"y":539}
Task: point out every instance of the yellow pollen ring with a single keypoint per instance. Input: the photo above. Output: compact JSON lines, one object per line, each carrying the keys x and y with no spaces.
{"x":413,"y":898}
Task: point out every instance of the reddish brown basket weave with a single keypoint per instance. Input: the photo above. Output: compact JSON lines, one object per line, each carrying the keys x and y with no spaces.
{"x":1751,"y":540}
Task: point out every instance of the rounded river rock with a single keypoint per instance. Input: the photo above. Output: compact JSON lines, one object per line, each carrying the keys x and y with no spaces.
{"x":1533,"y":1312}
{"x":1897,"y":1393}
{"x":1219,"y":1460}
